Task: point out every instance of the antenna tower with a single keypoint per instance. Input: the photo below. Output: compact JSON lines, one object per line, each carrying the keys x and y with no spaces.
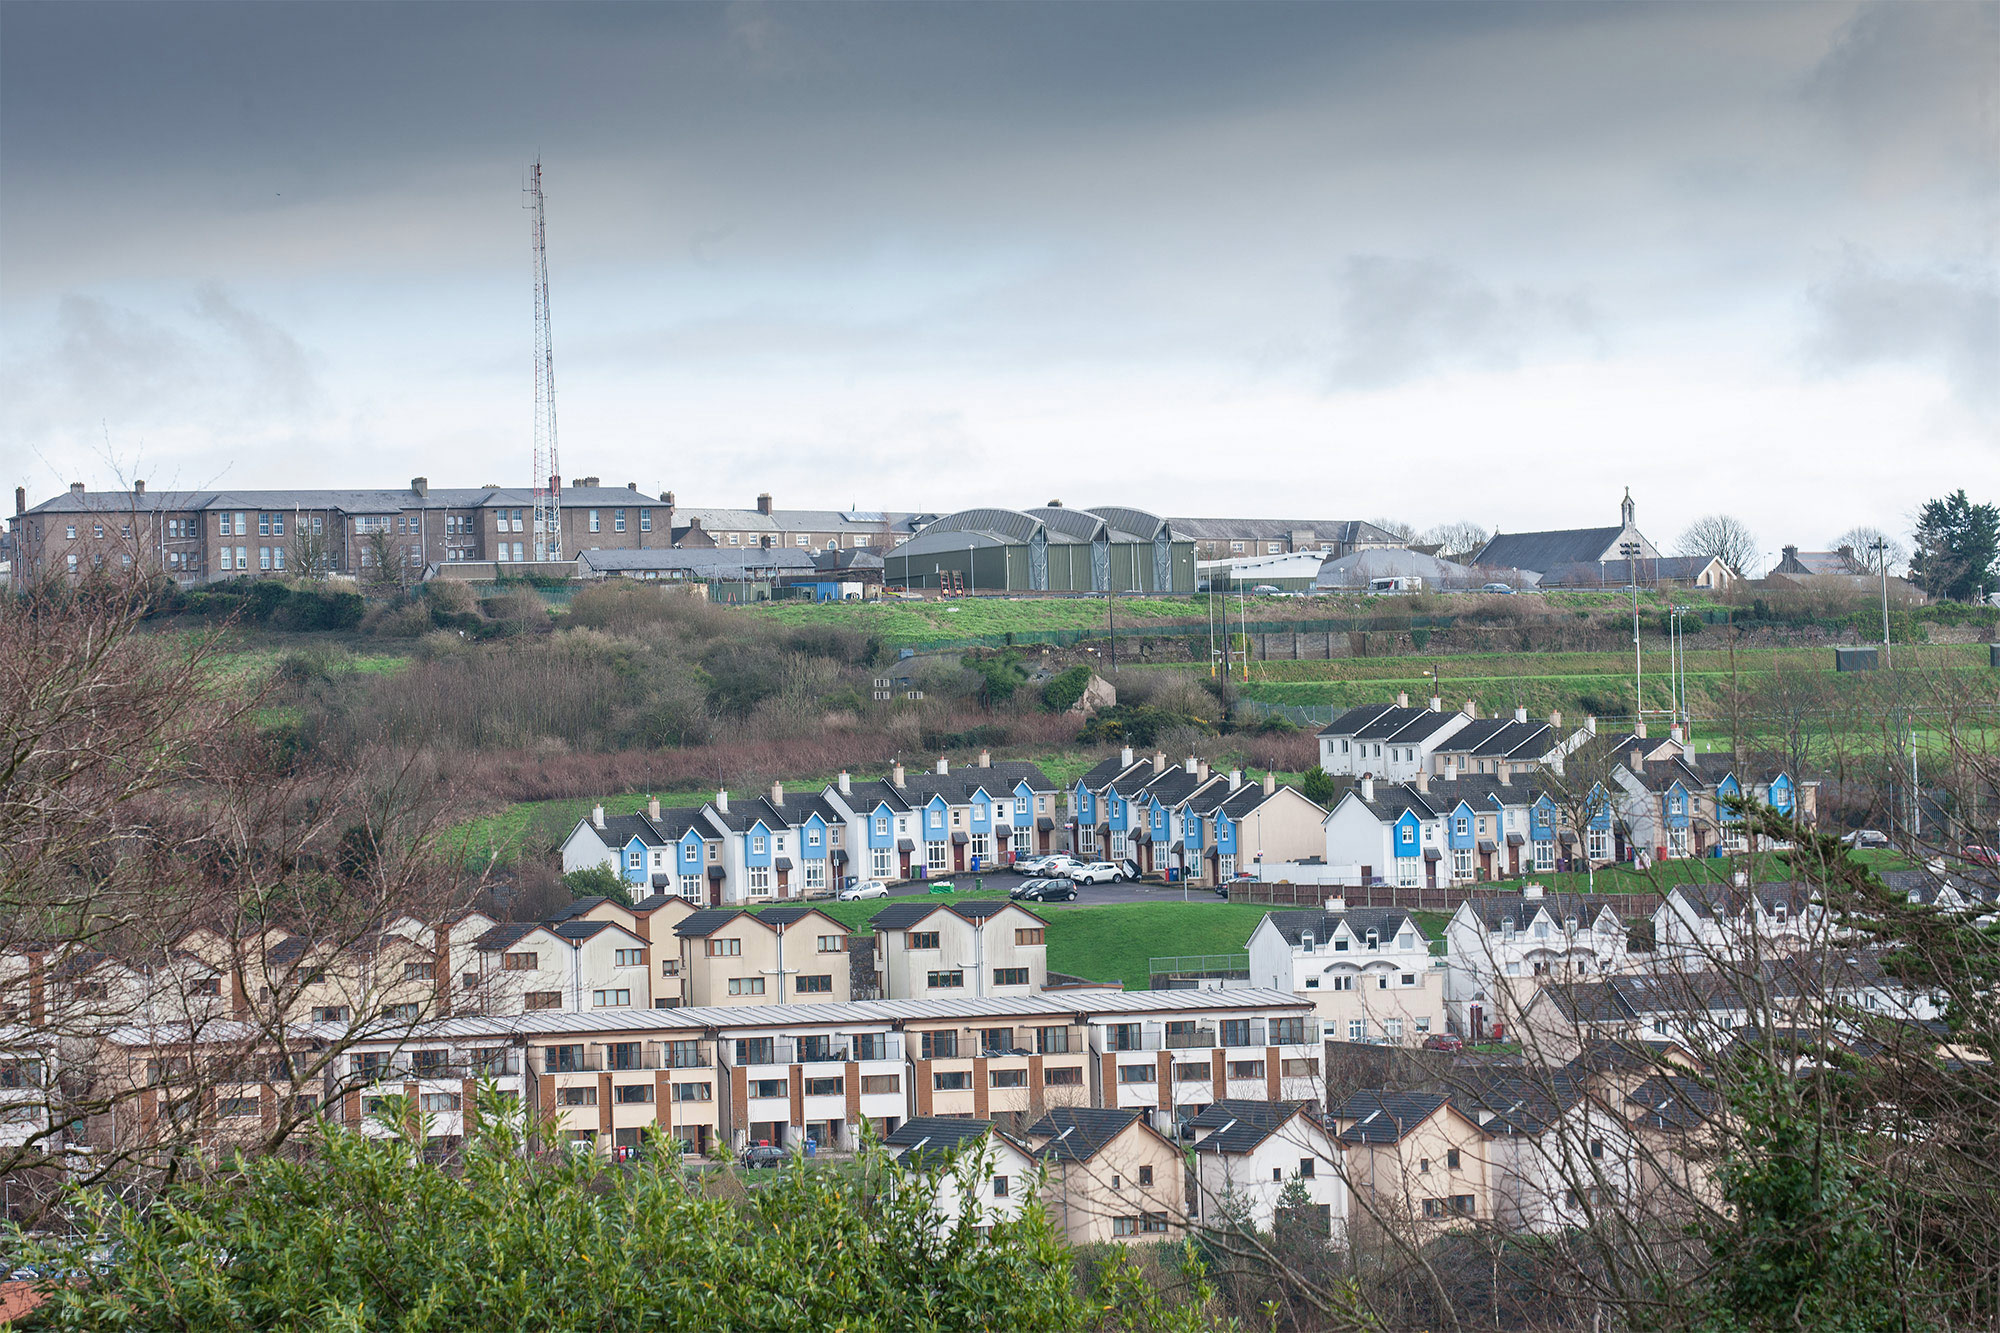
{"x":548,"y":470}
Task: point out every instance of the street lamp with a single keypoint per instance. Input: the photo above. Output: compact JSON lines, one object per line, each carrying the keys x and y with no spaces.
{"x":1881,"y":550}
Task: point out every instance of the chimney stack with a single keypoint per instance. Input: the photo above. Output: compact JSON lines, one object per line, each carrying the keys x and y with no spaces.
{"x":631,"y":485}
{"x":1556,"y":718}
{"x":76,"y":488}
{"x":668,"y":498}
{"x":652,"y":807}
{"x":846,"y":785}
{"x":1506,"y":771}
{"x":1638,"y":758}
{"x":764,"y":504}
{"x":1270,"y":783}
{"x":1741,"y":879}
{"x":1335,"y":906}
{"x":1201,"y":770}
{"x":896,"y":774}
{"x":722,"y":801}
{"x":1640,"y":730}
{"x":20,"y":500}
{"x":1451,"y":770}
{"x":1190,"y":765}
{"x":1531,"y":890}
{"x":1125,"y":756}
{"x":1159,"y":761}
{"x":1437,"y":703}
{"x":778,"y":795}
{"x":1674,"y":733}
{"x":420,"y":486}
{"x":944,"y":766}
{"x":1520,"y":713}
{"x":986,"y":758}
{"x":1471,"y":708}
{"x":1424,"y":781}
{"x":597,"y":816}
{"x":1235,"y":779}
{"x":590,"y":483}
{"x":1367,"y":787}
{"x":1402,"y":698}
{"x":139,"y":487}
{"x":1590,"y":724}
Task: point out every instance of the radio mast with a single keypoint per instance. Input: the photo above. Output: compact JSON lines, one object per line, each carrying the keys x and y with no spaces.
{"x":548,"y":470}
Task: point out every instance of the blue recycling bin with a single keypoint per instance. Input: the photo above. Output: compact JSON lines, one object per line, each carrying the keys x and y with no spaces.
{"x":1173,"y":874}
{"x":812,"y":1145}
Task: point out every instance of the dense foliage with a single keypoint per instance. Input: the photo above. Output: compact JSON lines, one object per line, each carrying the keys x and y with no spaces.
{"x":363,"y":1233}
{"x":1958,"y":548}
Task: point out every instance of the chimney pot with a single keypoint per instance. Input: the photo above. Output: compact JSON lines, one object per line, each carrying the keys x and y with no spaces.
{"x":846,"y":784}
{"x":722,"y":800}
{"x":76,"y":488}
{"x":764,"y":503}
{"x":652,"y":807}
{"x":1367,"y":787}
{"x":597,"y":816}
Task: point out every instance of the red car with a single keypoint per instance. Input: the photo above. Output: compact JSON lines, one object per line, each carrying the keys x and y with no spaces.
{"x":1984,"y":856}
{"x":1444,"y":1041}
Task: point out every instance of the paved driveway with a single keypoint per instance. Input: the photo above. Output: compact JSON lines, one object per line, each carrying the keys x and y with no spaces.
{"x":998,"y":884}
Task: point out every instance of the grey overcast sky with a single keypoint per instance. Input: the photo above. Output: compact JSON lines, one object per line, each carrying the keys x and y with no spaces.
{"x":1429,"y":261}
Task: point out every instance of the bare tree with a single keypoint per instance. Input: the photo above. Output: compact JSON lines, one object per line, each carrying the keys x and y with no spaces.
{"x":1861,"y":541}
{"x":312,"y":553}
{"x":1721,"y":537}
{"x":1458,"y":541}
{"x":177,"y":899}
{"x":1401,"y":531}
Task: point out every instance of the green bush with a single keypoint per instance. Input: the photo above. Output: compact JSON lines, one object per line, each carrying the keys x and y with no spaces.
{"x":598,"y":881}
{"x":361,"y":1233}
{"x":1060,"y":694}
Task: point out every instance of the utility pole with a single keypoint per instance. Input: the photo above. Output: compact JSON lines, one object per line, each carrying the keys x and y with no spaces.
{"x":1630,"y":550}
{"x":1881,"y":550}
{"x":1111,"y":622}
{"x":547,"y":477}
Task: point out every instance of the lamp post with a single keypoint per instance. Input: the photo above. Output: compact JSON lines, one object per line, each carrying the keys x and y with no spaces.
{"x":1881,"y":550}
{"x":1630,"y":550}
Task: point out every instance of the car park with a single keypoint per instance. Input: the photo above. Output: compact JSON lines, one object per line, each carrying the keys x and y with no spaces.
{"x":873,"y":888}
{"x":1050,"y":891}
{"x":1097,"y":872}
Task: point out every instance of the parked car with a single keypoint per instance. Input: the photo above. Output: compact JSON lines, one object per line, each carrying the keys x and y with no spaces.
{"x":1050,"y":891}
{"x":873,"y":888}
{"x":1266,"y":589}
{"x":1055,"y":863}
{"x":1027,"y":886}
{"x":1097,"y":872}
{"x":764,"y":1154}
{"x":1222,"y":890}
{"x":1866,"y":837}
{"x":943,"y":886}
{"x":1444,"y":1041}
{"x":1984,"y":856}
{"x":1499,"y":588}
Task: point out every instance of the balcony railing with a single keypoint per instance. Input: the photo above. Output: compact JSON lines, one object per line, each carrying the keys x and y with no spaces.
{"x":1197,"y":1039}
{"x":569,"y":1060}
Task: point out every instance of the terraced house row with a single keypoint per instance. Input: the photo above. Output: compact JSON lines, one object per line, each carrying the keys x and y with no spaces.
{"x":781,"y":1074}
{"x":777,"y":847}
{"x":1188,"y":822}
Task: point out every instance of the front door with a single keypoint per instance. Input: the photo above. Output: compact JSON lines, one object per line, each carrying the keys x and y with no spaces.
{"x":958,"y":856}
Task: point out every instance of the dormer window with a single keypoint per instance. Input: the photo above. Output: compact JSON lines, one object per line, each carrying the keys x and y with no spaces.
{"x":1306,"y":941}
{"x":1778,"y":913}
{"x":1569,"y":925}
{"x":1507,"y":928}
{"x":1374,"y":940}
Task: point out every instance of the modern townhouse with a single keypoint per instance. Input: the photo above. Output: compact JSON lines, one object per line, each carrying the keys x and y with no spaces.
{"x":1680,"y":1129}
{"x":973,"y":1170}
{"x":773,"y":848}
{"x":1512,"y":747}
{"x":1229,"y":827}
{"x":1247,"y":1153}
{"x":1388,"y":742}
{"x":1702,"y":926}
{"x":973,"y":819}
{"x":938,"y":951}
{"x":1416,"y":1164}
{"x":662,"y":850}
{"x":781,"y":955}
{"x":1101,"y":819}
{"x":1163,"y":808}
{"x":996,"y":1060}
{"x":1111,"y":1176}
{"x":1368,"y":972}
{"x":1443,"y":831}
{"x":1558,"y":1158}
{"x":1502,"y":947}
{"x":578,"y":965}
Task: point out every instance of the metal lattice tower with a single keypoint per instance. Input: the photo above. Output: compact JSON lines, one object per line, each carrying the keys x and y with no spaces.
{"x":548,"y":469}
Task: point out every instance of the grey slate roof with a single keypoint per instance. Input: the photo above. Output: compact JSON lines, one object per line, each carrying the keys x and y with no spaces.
{"x":709,"y":920}
{"x":1673,"y":1102}
{"x":1078,"y":1133}
{"x":1247,"y":1125}
{"x":1619,"y":573}
{"x":1342,"y":531}
{"x":899,"y":916}
{"x":1385,"y":921}
{"x":1542,"y":551}
{"x":1495,"y":910}
{"x":1384,"y":1117}
{"x":930,"y":1137}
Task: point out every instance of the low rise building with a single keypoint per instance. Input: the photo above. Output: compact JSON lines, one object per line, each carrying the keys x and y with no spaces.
{"x":927,"y":950}
{"x":1246,"y":1155}
{"x":1416,"y":1164}
{"x":1112,"y":1176}
{"x":1368,"y":972}
{"x":781,"y":955}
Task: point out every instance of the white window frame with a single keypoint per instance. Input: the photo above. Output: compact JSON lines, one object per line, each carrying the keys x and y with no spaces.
{"x":815,"y":873}
{"x":760,"y":879}
{"x":885,"y":864}
{"x":1407,"y":874}
{"x":935,"y":855}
